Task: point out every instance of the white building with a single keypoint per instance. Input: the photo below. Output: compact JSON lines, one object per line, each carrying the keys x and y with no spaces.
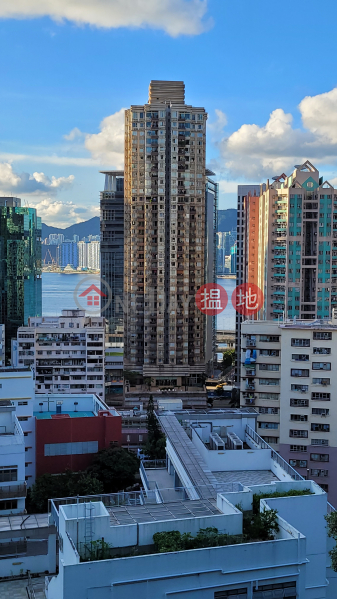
{"x":13,"y":486}
{"x":65,"y":352}
{"x":17,"y":386}
{"x":82,"y":254}
{"x":201,"y":454}
{"x":94,"y":255}
{"x":287,"y":373}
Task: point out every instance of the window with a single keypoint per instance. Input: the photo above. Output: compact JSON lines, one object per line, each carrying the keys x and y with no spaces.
{"x":275,"y":591}
{"x":270,"y":439}
{"x":326,"y":336}
{"x":318,"y":427}
{"x":324,"y":487}
{"x":300,"y":388}
{"x":320,"y":442}
{"x":321,"y":365}
{"x":271,"y":367}
{"x":269,"y":352}
{"x":11,"y":504}
{"x":318,"y":472}
{"x":319,"y":457}
{"x":299,"y":417}
{"x":320,"y":381}
{"x":298,"y":448}
{"x":269,"y":381}
{"x":269,"y":338}
{"x":298,"y":463}
{"x":268,"y":395}
{"x":320,"y":396}
{"x":22,"y":403}
{"x":298,"y":433}
{"x":300,"y":342}
{"x":76,"y":448}
{"x":299,"y":372}
{"x":300,"y":357}
{"x":239,"y":593}
{"x":322,"y":350}
{"x":299,"y":403}
{"x":271,"y":425}
{"x":8,"y":474}
{"x":268,"y":410}
{"x":320,"y":411}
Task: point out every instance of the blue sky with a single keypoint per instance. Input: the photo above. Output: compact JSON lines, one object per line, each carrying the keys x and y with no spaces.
{"x":265,"y":71}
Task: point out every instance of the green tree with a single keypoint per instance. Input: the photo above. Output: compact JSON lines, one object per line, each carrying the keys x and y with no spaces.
{"x":228,"y":358}
{"x":115,"y":468}
{"x":51,"y":486}
{"x":156,"y":442}
{"x":332,"y":533}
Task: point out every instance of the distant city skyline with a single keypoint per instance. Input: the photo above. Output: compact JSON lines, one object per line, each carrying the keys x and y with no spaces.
{"x":59,"y":130}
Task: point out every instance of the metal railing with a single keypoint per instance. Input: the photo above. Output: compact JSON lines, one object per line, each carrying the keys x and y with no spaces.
{"x":11,"y":491}
{"x":274,"y":455}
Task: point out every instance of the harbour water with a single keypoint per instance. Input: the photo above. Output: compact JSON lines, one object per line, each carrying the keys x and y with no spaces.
{"x":58,"y":293}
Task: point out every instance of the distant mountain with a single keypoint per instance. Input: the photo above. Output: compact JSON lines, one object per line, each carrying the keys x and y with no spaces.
{"x":227,"y":219}
{"x":88,"y":227}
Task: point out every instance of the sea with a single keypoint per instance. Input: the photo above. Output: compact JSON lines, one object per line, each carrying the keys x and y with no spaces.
{"x":59,"y":292}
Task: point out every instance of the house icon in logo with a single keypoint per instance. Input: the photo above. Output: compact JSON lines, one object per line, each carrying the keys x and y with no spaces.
{"x":95,"y":294}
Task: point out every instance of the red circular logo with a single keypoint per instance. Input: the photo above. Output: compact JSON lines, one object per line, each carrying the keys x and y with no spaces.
{"x":247,"y":299}
{"x":211,"y":299}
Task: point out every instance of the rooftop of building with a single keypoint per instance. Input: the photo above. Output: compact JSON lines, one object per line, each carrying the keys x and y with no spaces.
{"x":67,"y":414}
{"x":295,"y":323}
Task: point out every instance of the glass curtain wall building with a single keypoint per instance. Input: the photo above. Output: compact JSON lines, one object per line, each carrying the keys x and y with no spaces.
{"x":112,"y":251}
{"x":20,"y":266}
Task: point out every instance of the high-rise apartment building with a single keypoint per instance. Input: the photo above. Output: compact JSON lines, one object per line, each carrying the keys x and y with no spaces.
{"x":82,"y":248}
{"x":244,"y":191}
{"x":66,"y":352}
{"x":94,"y":255}
{"x":67,"y":254}
{"x":20,"y":266}
{"x":112,"y":250}
{"x":287,"y":374}
{"x":166,"y":236}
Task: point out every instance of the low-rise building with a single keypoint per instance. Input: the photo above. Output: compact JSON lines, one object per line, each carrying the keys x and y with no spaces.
{"x":13,"y":486}
{"x":287,"y":374}
{"x":66,"y":353}
{"x":217,"y":465}
{"x":70,"y":429}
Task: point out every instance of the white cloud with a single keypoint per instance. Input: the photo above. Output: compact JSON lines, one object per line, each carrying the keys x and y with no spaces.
{"x":255,"y":152}
{"x":175,"y":17}
{"x":319,"y":114}
{"x":37,"y":183}
{"x":108,"y":145}
{"x":62,"y":214}
{"x":73,"y":134}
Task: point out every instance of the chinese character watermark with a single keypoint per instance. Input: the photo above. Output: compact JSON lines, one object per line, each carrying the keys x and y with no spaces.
{"x":247,"y":299}
{"x":211,"y":299}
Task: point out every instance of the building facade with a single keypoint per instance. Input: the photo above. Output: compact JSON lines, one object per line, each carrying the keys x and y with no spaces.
{"x":165,"y":244}
{"x":71,"y":429}
{"x":65,"y":352}
{"x":94,"y":255}
{"x":287,"y":374}
{"x":67,"y":254}
{"x":112,"y":250}
{"x":20,"y":266}
{"x":13,"y":488}
{"x":216,"y":465}
{"x":244,"y":191}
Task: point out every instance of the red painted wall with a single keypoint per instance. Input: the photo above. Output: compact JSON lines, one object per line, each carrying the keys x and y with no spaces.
{"x":62,"y":429}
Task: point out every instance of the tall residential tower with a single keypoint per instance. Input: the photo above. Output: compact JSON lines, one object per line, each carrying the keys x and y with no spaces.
{"x":20,"y":266}
{"x":166,"y":237}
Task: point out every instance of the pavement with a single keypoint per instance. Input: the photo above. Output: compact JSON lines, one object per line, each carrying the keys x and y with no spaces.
{"x":14,"y":589}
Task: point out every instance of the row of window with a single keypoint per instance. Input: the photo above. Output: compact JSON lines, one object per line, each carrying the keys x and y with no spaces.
{"x":305,"y":372}
{"x":304,"y":403}
{"x":305,"y":388}
{"x":315,"y":427}
{"x":76,"y":448}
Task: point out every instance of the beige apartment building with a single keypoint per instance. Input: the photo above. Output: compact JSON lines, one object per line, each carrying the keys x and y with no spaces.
{"x":169,"y":238}
{"x":287,"y":244}
{"x":287,"y":374}
{"x":66,"y":352}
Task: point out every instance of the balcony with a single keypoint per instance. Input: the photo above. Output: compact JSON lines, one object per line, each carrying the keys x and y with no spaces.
{"x":250,"y":386}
